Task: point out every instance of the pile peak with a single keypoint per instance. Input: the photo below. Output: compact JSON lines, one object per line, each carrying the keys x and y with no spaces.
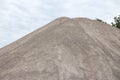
{"x":65,"y":49}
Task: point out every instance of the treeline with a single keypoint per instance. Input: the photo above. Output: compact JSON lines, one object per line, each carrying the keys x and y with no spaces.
{"x":116,"y":22}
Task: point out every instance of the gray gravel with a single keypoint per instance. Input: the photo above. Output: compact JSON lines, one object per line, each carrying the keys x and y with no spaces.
{"x":65,"y":49}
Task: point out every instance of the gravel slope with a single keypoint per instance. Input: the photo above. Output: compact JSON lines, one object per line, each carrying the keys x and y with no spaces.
{"x":65,"y":49}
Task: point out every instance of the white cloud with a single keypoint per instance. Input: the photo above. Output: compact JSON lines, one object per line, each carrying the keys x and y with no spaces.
{"x":19,"y":17}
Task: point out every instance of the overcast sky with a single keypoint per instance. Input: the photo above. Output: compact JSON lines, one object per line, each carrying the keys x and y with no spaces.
{"x":20,"y":17}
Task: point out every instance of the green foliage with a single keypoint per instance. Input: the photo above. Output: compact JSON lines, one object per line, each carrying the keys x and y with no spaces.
{"x":101,"y":21}
{"x":116,"y":22}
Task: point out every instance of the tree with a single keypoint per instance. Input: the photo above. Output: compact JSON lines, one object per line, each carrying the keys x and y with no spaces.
{"x":101,"y":21}
{"x":116,"y":22}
